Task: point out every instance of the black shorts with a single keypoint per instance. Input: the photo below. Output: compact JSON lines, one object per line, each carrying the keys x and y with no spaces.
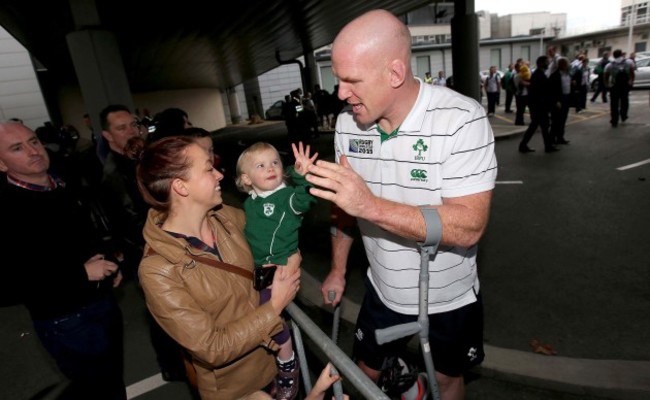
{"x":455,"y":337}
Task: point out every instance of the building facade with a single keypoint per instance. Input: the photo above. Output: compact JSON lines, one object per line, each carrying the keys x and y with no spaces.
{"x":502,"y":40}
{"x":20,"y":93}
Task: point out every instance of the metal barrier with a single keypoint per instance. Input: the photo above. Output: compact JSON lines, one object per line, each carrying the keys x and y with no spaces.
{"x":338,"y":388}
{"x":337,"y":357}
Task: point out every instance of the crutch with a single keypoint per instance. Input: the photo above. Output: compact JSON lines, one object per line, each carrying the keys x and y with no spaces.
{"x":428,"y":251}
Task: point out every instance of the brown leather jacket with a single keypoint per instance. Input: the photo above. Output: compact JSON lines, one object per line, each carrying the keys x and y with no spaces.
{"x":212,"y":313}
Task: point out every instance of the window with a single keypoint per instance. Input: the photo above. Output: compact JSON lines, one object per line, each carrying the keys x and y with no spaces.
{"x":327,"y":78}
{"x":525,"y":52}
{"x":495,"y":58}
{"x":423,"y":64}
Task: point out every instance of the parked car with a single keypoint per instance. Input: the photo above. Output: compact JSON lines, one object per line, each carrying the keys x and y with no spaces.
{"x":642,"y":73}
{"x":276,"y":111}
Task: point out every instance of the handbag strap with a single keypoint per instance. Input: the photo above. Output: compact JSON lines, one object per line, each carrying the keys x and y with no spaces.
{"x":225,"y":266}
{"x":215,"y":263}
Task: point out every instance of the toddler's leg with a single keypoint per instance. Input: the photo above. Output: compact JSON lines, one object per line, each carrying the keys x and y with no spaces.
{"x":288,"y":379}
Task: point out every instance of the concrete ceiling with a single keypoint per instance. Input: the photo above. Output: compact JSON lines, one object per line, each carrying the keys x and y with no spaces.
{"x":190,"y":43}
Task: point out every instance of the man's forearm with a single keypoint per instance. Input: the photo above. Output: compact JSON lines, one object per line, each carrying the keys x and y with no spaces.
{"x":464,"y":219}
{"x":400,"y":219}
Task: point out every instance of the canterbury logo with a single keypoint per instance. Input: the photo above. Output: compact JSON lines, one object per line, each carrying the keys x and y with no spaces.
{"x":419,"y":174}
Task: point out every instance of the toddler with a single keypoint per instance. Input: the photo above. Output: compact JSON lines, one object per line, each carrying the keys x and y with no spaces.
{"x":274,"y":212}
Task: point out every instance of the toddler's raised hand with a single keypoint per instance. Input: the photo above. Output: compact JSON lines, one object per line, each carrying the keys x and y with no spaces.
{"x":303,"y":160}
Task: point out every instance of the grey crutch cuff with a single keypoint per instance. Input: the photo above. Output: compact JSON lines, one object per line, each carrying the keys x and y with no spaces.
{"x":433,"y":225}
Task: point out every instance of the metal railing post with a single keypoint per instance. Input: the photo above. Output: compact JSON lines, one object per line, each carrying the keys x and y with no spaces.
{"x":302,"y":357}
{"x":338,"y":387}
{"x":367,"y":388}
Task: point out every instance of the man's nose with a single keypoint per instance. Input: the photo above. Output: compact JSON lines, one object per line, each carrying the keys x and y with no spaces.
{"x":33,"y":149}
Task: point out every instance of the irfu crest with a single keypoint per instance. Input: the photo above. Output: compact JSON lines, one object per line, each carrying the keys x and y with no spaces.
{"x":268,"y":209}
{"x":419,"y":146}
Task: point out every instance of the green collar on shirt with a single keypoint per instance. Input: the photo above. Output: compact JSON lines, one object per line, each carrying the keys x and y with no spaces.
{"x":385,"y":136}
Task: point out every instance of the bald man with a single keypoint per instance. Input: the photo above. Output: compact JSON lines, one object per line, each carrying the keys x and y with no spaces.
{"x":408,"y":156}
{"x":55,"y":267}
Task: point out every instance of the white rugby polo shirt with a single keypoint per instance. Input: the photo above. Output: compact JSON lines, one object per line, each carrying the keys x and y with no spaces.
{"x":444,"y":148}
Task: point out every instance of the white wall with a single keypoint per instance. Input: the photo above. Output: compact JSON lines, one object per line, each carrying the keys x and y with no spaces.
{"x":523,"y":23}
{"x":20,"y":93}
{"x":278,"y":82}
{"x":204,"y":107}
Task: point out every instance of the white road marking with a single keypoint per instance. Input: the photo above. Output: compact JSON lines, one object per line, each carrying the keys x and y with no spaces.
{"x":144,"y":386}
{"x":623,"y":168}
{"x":509,"y":182}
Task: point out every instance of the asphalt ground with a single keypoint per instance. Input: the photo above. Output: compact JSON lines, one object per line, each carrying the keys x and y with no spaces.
{"x":562,"y":261}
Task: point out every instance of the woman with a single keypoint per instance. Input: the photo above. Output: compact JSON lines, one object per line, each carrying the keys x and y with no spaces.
{"x":212,"y":312}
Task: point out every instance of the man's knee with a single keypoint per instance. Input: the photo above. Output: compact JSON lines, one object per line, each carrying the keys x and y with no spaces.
{"x":373,"y":374}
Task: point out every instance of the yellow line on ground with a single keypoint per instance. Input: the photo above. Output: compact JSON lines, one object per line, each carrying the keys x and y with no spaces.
{"x":580,"y":118}
{"x":503,"y":118}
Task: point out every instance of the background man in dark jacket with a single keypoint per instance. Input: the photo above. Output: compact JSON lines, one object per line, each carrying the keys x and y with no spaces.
{"x":65,"y":280}
{"x":539,"y":105}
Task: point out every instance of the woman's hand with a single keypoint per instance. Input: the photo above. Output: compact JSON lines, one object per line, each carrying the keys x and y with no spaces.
{"x":286,"y":283}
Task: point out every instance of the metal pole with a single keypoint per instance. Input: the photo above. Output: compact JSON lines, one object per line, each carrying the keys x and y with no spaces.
{"x":338,"y":358}
{"x":302,"y":357}
{"x":631,"y":19}
{"x":338,"y":387}
{"x":421,"y":327}
{"x":423,"y":317}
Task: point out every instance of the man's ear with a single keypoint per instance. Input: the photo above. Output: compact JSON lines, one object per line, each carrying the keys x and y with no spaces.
{"x":107,"y":136}
{"x":397,"y":73}
{"x":179,"y":187}
{"x":3,"y":166}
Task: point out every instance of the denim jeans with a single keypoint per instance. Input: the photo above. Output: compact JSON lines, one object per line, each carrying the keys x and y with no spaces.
{"x":88,"y":349}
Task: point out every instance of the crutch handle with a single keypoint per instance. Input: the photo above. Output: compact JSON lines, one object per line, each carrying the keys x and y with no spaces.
{"x":391,"y":333}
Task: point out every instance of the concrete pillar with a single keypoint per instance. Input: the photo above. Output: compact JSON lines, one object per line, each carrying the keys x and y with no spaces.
{"x":97,"y":62}
{"x":253,"y":98}
{"x":464,"y":49}
{"x":310,"y":76}
{"x":233,"y":105}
